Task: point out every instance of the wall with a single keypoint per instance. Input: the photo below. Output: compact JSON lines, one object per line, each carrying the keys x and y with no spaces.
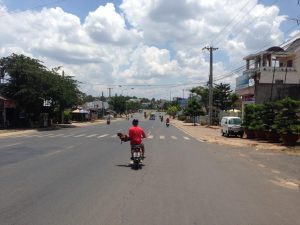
{"x":263,"y":92}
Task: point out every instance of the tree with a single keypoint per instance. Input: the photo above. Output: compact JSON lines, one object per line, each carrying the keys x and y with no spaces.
{"x":194,"y":109}
{"x":118,"y":103}
{"x":172,"y":110}
{"x":221,"y":96}
{"x":203,"y":92}
{"x":132,"y":105}
{"x":30,"y":84}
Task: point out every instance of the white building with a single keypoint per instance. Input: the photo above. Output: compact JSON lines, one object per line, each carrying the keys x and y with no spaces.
{"x":271,"y":75}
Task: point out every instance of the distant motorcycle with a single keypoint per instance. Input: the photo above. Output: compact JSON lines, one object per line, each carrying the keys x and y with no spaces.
{"x":167,"y":124}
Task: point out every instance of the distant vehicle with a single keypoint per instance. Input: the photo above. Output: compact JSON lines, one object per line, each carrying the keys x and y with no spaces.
{"x":231,"y":125}
{"x":152,"y":116}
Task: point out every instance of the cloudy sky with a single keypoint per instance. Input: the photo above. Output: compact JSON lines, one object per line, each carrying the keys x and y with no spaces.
{"x":147,"y":48}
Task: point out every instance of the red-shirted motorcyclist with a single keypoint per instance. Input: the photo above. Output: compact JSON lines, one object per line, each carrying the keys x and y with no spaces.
{"x":136,"y":134}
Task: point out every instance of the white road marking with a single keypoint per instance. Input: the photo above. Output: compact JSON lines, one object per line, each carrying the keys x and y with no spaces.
{"x":103,"y":135}
{"x":92,"y":135}
{"x":113,"y":136}
{"x":10,"y":145}
{"x":58,"y":151}
{"x":80,"y":135}
{"x":69,"y":135}
{"x":120,"y":130}
{"x":161,"y":137}
{"x":186,"y":138}
{"x":173,"y":137}
{"x":57,"y":135}
{"x":150,"y":136}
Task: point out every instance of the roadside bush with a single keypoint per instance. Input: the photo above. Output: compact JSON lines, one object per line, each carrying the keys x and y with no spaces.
{"x":182,"y":117}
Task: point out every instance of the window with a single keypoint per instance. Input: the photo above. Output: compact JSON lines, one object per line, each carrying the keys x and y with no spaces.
{"x":290,"y":63}
{"x":278,"y":81}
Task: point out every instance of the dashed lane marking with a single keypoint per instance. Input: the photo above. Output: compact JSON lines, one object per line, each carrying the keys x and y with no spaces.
{"x":103,"y":135}
{"x":57,"y":135}
{"x":58,"y":151}
{"x":92,"y":135}
{"x":80,"y":135}
{"x":173,"y":137}
{"x":186,"y":138}
{"x":150,"y":137}
{"x":10,"y":145}
{"x":113,"y":136}
{"x":162,"y":137}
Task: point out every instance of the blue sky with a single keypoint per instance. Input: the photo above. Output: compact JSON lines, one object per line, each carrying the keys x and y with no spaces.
{"x":154,"y":47}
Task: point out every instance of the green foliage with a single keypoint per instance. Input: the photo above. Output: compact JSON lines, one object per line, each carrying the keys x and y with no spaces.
{"x":287,"y":119}
{"x":118,"y":104}
{"x":249,"y":116}
{"x":223,"y":98}
{"x":132,"y":106}
{"x":257,"y":123}
{"x":193,"y":109}
{"x":30,"y":84}
{"x":182,"y":117}
{"x":172,"y":110}
{"x":282,"y":116}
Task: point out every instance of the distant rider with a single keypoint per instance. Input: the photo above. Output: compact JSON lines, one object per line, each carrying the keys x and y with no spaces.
{"x":136,"y":134}
{"x":167,"y":120}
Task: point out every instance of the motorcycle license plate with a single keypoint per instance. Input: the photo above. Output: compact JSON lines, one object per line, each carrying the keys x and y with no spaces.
{"x":136,"y":154}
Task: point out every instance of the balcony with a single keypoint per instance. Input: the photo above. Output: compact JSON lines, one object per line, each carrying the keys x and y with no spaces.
{"x":265,"y":74}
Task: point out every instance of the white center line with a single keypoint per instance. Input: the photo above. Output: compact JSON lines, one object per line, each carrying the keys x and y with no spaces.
{"x":173,"y":137}
{"x":80,"y":135}
{"x":59,"y":151}
{"x":150,"y":136}
{"x":103,"y":135}
{"x":57,"y":135}
{"x":186,"y":138}
{"x":10,"y":145}
{"x":92,"y":135}
{"x":69,"y":135}
{"x":161,"y":137}
{"x":113,"y":136}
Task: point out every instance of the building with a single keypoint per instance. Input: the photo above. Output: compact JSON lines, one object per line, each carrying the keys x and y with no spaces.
{"x":271,"y":75}
{"x":7,"y":113}
{"x":97,"y":109}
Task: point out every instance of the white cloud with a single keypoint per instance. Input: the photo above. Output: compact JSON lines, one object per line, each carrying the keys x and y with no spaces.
{"x":149,"y":42}
{"x":107,"y":26}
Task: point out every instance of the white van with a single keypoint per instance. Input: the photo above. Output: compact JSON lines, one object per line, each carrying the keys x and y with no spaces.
{"x":231,"y":125}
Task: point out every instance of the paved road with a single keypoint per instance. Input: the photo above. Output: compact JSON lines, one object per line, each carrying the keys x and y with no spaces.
{"x":80,"y":176}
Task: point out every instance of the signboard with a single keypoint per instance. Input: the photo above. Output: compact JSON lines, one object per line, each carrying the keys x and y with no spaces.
{"x":242,"y":81}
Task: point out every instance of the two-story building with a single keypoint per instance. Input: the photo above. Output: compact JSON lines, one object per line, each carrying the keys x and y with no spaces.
{"x":271,"y":75}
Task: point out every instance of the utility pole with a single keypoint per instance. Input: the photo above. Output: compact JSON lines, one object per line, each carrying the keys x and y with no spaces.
{"x":102,"y":101}
{"x":109,"y":95}
{"x":210,"y":49}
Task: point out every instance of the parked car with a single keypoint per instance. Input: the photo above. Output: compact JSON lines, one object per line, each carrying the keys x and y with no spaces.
{"x":231,"y":126}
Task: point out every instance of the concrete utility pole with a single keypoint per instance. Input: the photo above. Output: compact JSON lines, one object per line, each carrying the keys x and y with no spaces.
{"x":109,"y":95}
{"x":210,"y":49}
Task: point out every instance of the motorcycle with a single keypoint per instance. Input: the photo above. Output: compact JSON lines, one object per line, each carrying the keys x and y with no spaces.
{"x":108,"y":122}
{"x":167,"y":124}
{"x":137,"y":157}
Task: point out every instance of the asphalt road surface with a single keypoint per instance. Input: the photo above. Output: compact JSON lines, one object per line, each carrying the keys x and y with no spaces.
{"x":80,"y":176}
